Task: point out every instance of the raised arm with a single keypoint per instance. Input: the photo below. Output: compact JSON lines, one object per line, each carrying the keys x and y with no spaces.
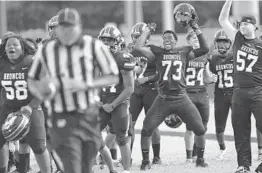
{"x":140,"y":45}
{"x":203,"y":47}
{"x":224,"y":20}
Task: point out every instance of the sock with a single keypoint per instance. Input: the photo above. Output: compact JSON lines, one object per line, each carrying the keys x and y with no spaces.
{"x":11,"y":157}
{"x":200,"y":153}
{"x":222,"y":146}
{"x":145,"y":154}
{"x":24,"y":162}
{"x":113,"y":153}
{"x":189,"y":154}
{"x":156,"y":150}
{"x":194,"y":151}
{"x":17,"y":165}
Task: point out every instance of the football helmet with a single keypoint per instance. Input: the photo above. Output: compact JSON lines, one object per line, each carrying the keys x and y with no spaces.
{"x":111,"y":37}
{"x":185,"y":13}
{"x":173,"y":121}
{"x":222,"y":42}
{"x":16,"y":126}
{"x":52,"y":24}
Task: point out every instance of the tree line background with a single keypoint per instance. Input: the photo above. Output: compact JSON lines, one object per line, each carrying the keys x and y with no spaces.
{"x":24,"y":15}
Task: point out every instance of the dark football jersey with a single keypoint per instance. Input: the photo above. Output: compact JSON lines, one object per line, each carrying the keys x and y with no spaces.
{"x":171,"y":68}
{"x":247,"y":54}
{"x":125,"y":61}
{"x":13,"y":78}
{"x":223,"y":68}
{"x":195,"y":74}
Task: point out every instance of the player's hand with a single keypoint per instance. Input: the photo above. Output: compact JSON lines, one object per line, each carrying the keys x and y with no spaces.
{"x":141,"y":81}
{"x":27,"y":110}
{"x":152,"y":27}
{"x":108,"y":108}
{"x":213,"y":78}
{"x":99,"y":104}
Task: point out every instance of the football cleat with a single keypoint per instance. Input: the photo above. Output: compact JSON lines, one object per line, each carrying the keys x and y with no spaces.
{"x":189,"y":161}
{"x":259,"y":157}
{"x":201,"y":163}
{"x":145,"y":165}
{"x":156,"y":161}
{"x":173,"y":121}
{"x":221,"y":154}
{"x":184,"y":14}
{"x":242,"y":169}
{"x":15,"y":127}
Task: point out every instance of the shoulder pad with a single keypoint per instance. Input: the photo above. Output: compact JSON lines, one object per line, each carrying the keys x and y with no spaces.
{"x":125,"y":61}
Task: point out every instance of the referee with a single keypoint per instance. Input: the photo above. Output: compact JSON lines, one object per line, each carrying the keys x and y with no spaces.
{"x":77,"y":62}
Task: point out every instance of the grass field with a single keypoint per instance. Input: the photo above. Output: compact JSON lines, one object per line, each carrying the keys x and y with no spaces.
{"x":173,"y":151}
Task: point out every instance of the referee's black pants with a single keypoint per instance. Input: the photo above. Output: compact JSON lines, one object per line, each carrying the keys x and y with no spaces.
{"x":75,"y":137}
{"x":244,"y":102}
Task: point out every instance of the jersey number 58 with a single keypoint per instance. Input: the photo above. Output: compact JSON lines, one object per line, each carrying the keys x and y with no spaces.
{"x":15,"y":89}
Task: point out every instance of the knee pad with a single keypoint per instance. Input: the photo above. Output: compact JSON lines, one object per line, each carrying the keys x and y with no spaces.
{"x":39,"y":150}
{"x":146,"y":133}
{"x":39,"y":147}
{"x":3,"y":170}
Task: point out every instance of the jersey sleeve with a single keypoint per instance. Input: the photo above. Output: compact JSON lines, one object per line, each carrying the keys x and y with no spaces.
{"x":125,"y":61}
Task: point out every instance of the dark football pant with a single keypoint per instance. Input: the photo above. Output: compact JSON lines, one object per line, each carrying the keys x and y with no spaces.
{"x":142,"y":98}
{"x":244,"y":102}
{"x":165,"y":105}
{"x":120,"y":119}
{"x":75,"y":137}
{"x":222,"y":104}
{"x":201,"y":101}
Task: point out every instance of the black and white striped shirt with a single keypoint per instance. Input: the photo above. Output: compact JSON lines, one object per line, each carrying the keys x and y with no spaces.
{"x":83,"y":61}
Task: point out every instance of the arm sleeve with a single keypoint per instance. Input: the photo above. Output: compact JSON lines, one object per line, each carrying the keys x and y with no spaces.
{"x":203,"y":49}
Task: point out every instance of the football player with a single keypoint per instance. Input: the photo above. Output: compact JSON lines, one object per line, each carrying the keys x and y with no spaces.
{"x":145,"y":90}
{"x":172,"y":97}
{"x":52,"y":26}
{"x":17,"y":57}
{"x":221,"y":64}
{"x":247,"y":93}
{"x":197,"y":73}
{"x":115,"y":98}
